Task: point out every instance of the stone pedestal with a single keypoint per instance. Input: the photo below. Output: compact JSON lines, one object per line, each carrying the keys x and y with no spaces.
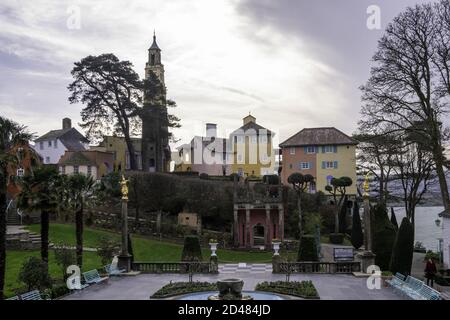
{"x":124,"y":262}
{"x":276,"y":264}
{"x":367,"y":258}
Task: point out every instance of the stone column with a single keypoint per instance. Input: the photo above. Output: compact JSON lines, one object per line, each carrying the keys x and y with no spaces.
{"x":236,"y":227}
{"x":124,"y":257}
{"x":366,"y":258}
{"x":268,"y":237}
{"x":280,"y":223}
{"x":247,"y":227}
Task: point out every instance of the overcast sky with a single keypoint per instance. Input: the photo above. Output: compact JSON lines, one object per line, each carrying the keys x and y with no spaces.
{"x":292,"y":64}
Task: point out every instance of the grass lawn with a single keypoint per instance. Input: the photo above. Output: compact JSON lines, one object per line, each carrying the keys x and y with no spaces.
{"x":15,"y":259}
{"x":148,"y":249}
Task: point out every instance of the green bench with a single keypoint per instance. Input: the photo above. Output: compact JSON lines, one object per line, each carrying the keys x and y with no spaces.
{"x":93,"y":276}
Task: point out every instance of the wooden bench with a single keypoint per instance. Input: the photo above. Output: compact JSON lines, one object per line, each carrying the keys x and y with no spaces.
{"x":112,"y":270}
{"x":93,"y":276}
{"x":32,"y":295}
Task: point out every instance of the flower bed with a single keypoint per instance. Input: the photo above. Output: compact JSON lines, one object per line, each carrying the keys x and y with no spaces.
{"x":177,"y":288}
{"x":303,"y":289}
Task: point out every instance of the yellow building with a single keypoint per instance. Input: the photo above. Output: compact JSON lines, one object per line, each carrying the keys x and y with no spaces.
{"x":252,"y":149}
{"x":118,"y":147}
{"x":324,"y":153}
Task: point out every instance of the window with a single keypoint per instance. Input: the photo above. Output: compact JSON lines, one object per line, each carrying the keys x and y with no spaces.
{"x":76,"y":169}
{"x":291,"y":150}
{"x":47,"y":159}
{"x":254,"y":139}
{"x":63,"y":169}
{"x":329,"y":164}
{"x":49,"y":143}
{"x":56,"y":144}
{"x":263,"y":139}
{"x":290,"y":166}
{"x":329,"y":149}
{"x":20,"y":172}
{"x":305,"y":165}
{"x":41,"y":145}
{"x":329,"y":180}
{"x":89,"y":170}
{"x":240,"y":139}
{"x":239,"y":157}
{"x":310,"y":149}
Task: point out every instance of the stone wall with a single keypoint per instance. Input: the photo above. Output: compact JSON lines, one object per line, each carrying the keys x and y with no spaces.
{"x":112,"y":221}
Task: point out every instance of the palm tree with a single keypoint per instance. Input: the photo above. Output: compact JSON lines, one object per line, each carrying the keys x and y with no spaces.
{"x":80,"y":189}
{"x":11,"y":134}
{"x":39,"y":193}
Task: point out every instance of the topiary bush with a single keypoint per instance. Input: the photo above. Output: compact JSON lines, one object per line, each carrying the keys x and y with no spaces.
{"x":308,"y":249}
{"x":191,"y":249}
{"x":384,"y":234}
{"x":402,"y":253}
{"x":34,"y":273}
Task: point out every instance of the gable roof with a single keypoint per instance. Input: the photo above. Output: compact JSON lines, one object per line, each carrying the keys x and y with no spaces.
{"x":77,"y":159}
{"x":70,"y":138}
{"x":317,"y":137}
{"x":248,"y":126}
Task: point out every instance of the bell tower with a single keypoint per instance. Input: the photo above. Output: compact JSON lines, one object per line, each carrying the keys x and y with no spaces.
{"x":155,"y":134}
{"x":154,"y":61}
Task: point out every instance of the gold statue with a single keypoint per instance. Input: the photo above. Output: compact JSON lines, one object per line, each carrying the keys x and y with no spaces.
{"x":366,"y":185}
{"x":124,"y":184}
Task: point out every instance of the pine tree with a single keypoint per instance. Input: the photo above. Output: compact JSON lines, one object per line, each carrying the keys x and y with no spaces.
{"x":394,"y":219}
{"x":402,"y":253}
{"x":357,"y":234}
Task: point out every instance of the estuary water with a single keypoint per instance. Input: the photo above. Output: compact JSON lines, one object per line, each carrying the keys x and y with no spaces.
{"x":426,"y":231}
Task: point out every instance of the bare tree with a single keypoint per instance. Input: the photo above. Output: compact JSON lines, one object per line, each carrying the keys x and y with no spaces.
{"x":410,"y":82}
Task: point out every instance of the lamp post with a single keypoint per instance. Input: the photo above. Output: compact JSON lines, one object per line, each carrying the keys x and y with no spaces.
{"x":124,"y":257}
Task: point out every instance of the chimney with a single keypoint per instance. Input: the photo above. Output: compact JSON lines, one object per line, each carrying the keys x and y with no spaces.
{"x":66,"y":123}
{"x":211,"y":130}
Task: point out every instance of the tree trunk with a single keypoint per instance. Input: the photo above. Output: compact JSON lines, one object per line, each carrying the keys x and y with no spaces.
{"x":44,"y":235}
{"x":3,"y":214}
{"x":442,"y":180}
{"x":131,"y":152}
{"x":79,"y":235}
{"x":336,"y":219}
{"x":300,"y":216}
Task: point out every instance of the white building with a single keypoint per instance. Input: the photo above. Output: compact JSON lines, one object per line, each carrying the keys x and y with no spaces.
{"x":52,"y":145}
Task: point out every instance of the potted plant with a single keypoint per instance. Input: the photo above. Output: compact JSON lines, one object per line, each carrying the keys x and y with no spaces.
{"x":213,"y":245}
{"x":386,"y":275}
{"x":276,"y":246}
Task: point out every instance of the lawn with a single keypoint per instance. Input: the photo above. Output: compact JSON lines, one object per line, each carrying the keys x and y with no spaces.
{"x":15,"y":259}
{"x":145,"y":249}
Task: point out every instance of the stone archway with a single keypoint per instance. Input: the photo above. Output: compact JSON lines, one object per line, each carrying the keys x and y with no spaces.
{"x":258,"y":233}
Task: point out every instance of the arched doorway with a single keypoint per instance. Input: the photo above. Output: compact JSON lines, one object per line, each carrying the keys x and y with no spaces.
{"x":258,"y":235}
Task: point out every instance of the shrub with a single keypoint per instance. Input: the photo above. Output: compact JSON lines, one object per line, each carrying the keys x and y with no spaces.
{"x":308,"y":249}
{"x":34,"y":273}
{"x":64,"y":257}
{"x":234,"y":175}
{"x":107,"y":249}
{"x":357,"y":234}
{"x":402,"y":253}
{"x":204,"y":176}
{"x":177,"y":288}
{"x":191,"y":249}
{"x":383,"y":236}
{"x":394,"y":219}
{"x":432,"y":255}
{"x":304,"y":289}
{"x":59,"y":290}
{"x":336,"y":238}
{"x":271,"y":179}
{"x":312,"y":222}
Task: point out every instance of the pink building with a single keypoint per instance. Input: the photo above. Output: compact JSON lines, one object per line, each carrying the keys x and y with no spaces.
{"x":258,"y":214}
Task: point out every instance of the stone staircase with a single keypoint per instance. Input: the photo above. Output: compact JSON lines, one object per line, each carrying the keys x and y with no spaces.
{"x":17,"y":238}
{"x":13,"y":220}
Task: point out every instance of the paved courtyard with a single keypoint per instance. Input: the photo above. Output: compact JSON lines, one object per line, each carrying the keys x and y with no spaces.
{"x":140,"y":287}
